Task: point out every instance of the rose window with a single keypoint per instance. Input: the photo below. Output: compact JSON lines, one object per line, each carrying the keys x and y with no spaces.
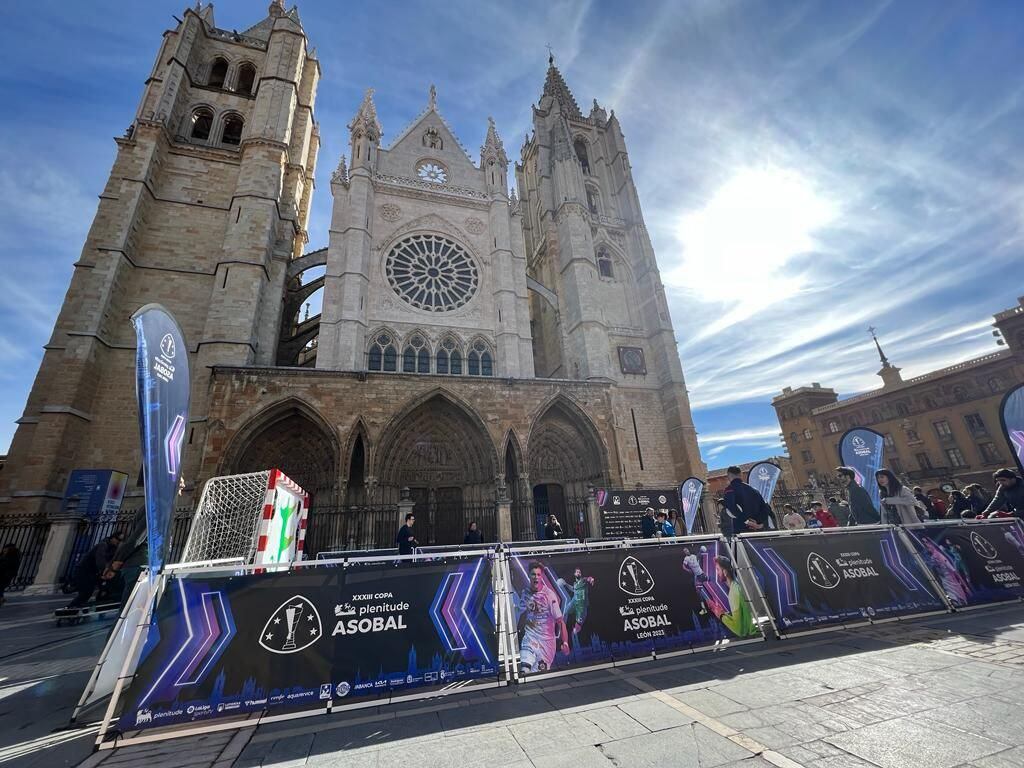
{"x":432,"y":172}
{"x":431,"y":272}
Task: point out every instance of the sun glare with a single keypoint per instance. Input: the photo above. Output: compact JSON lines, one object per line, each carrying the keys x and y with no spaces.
{"x":746,"y":235}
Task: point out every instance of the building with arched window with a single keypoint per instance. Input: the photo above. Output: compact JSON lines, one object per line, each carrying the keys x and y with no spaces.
{"x":460,"y":342}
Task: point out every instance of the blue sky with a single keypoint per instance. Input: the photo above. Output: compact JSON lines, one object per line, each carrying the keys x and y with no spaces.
{"x":806,"y":169}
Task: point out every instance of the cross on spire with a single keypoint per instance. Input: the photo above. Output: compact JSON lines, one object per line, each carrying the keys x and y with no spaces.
{"x":551,"y":56}
{"x":881,"y":354}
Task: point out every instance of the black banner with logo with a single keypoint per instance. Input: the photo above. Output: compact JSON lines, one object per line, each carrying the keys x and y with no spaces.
{"x":976,"y":563}
{"x":227,"y":645}
{"x":622,"y":510}
{"x":817,"y":579}
{"x":585,"y":607}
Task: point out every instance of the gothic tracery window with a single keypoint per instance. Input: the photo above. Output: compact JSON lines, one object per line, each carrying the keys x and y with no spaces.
{"x":449,"y":359}
{"x":432,"y":273}
{"x":383,"y":355}
{"x":416,"y":356}
{"x":604,"y":264}
{"x":479,"y":361}
{"x":581,"y":154}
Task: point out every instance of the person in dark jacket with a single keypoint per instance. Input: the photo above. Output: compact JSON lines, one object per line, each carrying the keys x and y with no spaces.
{"x":553,"y":530}
{"x":93,"y":567}
{"x":1009,"y":494}
{"x":473,"y":534}
{"x":10,"y":559}
{"x":959,"y":506}
{"x":978,"y":498}
{"x":648,"y":524}
{"x":405,"y":539}
{"x":749,"y":510}
{"x":862,"y":511}
{"x":926,"y":503}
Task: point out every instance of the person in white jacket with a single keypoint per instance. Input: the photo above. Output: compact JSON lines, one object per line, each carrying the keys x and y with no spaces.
{"x":899,"y":506}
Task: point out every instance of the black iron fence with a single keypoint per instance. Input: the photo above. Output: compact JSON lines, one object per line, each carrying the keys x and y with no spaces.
{"x":337,"y":529}
{"x":91,"y":532}
{"x":28,"y":535}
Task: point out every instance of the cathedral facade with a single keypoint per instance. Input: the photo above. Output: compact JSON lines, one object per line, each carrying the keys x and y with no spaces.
{"x":475,"y":345}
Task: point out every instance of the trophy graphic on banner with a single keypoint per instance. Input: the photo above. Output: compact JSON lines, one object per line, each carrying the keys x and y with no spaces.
{"x":292,"y":614}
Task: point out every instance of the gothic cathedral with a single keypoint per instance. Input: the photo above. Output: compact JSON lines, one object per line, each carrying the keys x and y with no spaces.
{"x":475,"y":345}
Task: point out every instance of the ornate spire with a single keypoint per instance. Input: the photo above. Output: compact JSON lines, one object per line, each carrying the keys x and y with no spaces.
{"x":493,"y":148}
{"x":276,"y":8}
{"x":366,"y":118}
{"x":340,"y":175}
{"x":555,"y":87}
{"x":432,"y":98}
{"x":881,"y":354}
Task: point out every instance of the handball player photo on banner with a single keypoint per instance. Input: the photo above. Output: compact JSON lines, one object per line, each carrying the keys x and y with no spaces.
{"x":162,"y":386}
{"x":229,"y":645}
{"x":976,"y":563}
{"x":862,"y":450}
{"x":589,"y":607}
{"x":827,"y":579}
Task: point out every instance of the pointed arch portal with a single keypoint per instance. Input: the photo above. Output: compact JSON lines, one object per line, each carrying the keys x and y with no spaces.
{"x":441,"y":452}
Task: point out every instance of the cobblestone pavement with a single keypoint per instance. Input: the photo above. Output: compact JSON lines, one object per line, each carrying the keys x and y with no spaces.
{"x":942,"y":692}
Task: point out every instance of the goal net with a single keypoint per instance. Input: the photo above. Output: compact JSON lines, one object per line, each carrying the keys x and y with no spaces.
{"x":259,"y":517}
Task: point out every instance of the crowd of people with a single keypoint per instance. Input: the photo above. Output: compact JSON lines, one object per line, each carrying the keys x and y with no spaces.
{"x":742,"y":509}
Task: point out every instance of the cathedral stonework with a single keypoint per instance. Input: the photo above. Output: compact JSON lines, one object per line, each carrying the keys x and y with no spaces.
{"x":474,"y":345}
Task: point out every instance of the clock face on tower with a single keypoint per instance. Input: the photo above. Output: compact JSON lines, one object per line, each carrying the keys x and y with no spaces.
{"x":435,"y":173}
{"x":631,"y":360}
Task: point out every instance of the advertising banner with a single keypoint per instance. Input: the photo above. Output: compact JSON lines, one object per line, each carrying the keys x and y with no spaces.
{"x":861,"y":449}
{"x":591,"y":606}
{"x":976,"y":563}
{"x":162,"y":388}
{"x":763,"y":477}
{"x":93,"y":492}
{"x":228,"y":645}
{"x":813,"y":580}
{"x":689,"y":498}
{"x":1011,"y":415}
{"x":621,"y":510}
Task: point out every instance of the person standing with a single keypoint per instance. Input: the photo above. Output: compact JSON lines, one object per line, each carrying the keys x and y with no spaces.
{"x":862,"y":511}
{"x":749,"y":510}
{"x":839,"y":510}
{"x":925,"y":503}
{"x":473,"y":534}
{"x":92,"y":568}
{"x":823,"y":515}
{"x":1009,"y":494}
{"x":648,"y":524}
{"x":10,"y":559}
{"x":959,"y":506}
{"x":977,"y":497}
{"x":665,"y":528}
{"x":406,"y":539}
{"x":792,"y":520}
{"x":938,"y":504}
{"x":553,"y":530}
{"x":899,"y":502}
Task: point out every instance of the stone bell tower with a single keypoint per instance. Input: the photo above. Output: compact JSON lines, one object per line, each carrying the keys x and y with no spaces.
{"x":206,"y":203}
{"x":597,"y":303}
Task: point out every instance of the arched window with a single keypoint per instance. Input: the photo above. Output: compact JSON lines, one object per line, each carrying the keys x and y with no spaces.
{"x":479,"y":361}
{"x":581,"y":154}
{"x":416,"y":356}
{"x":592,"y":204}
{"x":604,"y":264}
{"x":246,"y":78}
{"x":202,"y":124}
{"x":456,"y":363}
{"x":448,"y":358}
{"x":218,"y":73}
{"x":232,"y":130}
{"x":383,"y":355}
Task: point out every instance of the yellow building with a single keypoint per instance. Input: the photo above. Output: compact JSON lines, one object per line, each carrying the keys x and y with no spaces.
{"x":940,"y":427}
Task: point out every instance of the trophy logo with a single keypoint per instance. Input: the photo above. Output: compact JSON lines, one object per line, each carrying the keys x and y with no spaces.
{"x":293,"y":627}
{"x":634,"y":578}
{"x":821,"y":572}
{"x":983,"y":547}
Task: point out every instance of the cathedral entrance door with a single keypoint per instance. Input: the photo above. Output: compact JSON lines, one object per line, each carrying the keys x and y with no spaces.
{"x":448,"y":516}
{"x":549,"y":499}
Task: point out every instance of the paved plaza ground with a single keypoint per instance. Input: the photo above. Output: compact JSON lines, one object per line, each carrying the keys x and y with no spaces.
{"x":936,"y":693}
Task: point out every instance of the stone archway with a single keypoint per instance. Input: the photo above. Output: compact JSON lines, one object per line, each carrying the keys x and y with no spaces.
{"x":440,"y":450}
{"x":291,"y":437}
{"x":566,"y":456}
